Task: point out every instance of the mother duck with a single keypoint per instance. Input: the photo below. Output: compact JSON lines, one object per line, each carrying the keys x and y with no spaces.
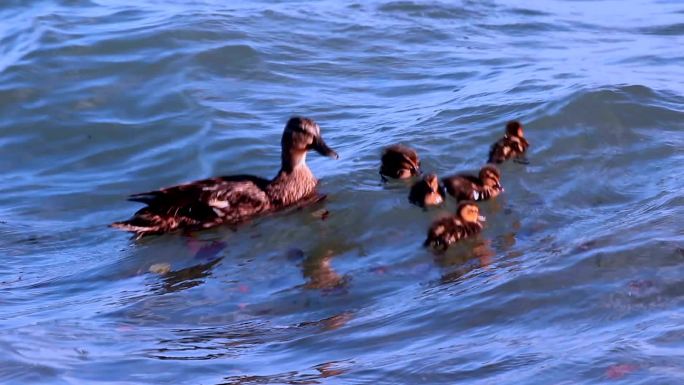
{"x":233,"y":199}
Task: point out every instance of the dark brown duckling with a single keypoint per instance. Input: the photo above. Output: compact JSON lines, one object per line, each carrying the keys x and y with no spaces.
{"x":427,"y":192}
{"x":447,"y":231}
{"x":477,"y":188}
{"x":512,"y":145}
{"x":399,"y":162}
{"x":233,"y":199}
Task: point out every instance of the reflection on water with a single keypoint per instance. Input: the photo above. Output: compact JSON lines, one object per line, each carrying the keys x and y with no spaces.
{"x":187,"y":278}
{"x":464,"y":259}
{"x":331,"y":323}
{"x":315,"y":375}
{"x":320,"y":274}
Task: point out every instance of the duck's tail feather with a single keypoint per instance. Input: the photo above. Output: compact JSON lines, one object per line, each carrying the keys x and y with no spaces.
{"x":145,"y":223}
{"x":146,"y":198}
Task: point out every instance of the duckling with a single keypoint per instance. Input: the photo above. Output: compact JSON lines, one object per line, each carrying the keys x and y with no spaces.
{"x":233,"y":199}
{"x":446,"y":231}
{"x":427,"y":192}
{"x":512,"y":145}
{"x":399,"y":162}
{"x":477,"y":188}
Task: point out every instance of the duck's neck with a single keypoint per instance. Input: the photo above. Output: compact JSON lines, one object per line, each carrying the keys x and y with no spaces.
{"x":293,"y":182}
{"x":291,"y":160}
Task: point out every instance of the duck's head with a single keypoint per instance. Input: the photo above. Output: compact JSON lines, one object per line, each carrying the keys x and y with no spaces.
{"x":432,"y":182}
{"x":401,"y":161}
{"x":468,"y":212}
{"x":303,"y":134}
{"x":434,"y":196}
{"x":514,"y":128}
{"x":491,"y":177}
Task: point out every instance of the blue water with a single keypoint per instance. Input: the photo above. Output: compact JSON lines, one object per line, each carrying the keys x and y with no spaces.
{"x":577,"y":278}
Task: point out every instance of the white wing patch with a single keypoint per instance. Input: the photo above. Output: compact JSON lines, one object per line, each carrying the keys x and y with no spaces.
{"x":219,"y":204}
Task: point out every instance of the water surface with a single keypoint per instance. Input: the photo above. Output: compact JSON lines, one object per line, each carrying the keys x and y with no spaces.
{"x":577,"y":278}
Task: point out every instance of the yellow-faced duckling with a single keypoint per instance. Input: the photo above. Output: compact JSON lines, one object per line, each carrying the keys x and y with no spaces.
{"x":233,"y":199}
{"x":427,"y":192}
{"x":477,"y":188}
{"x":512,"y":145}
{"x":399,"y":162}
{"x":447,"y":231}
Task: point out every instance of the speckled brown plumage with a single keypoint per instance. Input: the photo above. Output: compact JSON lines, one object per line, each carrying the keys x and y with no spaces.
{"x":512,"y":145}
{"x":400,"y":162}
{"x":484,"y":186}
{"x":233,"y":199}
{"x":427,"y":192}
{"x":446,"y":231}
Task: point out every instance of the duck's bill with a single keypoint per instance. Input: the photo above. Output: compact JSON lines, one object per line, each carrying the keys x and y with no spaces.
{"x":481,"y":218}
{"x":322,"y":148}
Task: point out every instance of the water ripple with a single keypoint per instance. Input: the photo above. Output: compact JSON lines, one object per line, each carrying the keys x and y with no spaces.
{"x":576,"y":278}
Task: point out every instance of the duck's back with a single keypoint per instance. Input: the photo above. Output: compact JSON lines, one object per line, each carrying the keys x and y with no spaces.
{"x":462,"y":187}
{"x":446,"y":231}
{"x":507,"y":148}
{"x":200,"y":204}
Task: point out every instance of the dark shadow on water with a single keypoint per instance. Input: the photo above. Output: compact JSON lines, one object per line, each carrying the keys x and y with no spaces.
{"x":238,"y":339}
{"x":215,"y":342}
{"x":313,"y":375}
{"x":174,"y":281}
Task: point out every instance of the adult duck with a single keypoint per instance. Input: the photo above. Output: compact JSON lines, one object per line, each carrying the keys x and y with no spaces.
{"x":512,"y":146}
{"x":233,"y":199}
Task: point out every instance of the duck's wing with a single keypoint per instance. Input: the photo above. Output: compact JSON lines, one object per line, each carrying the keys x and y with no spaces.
{"x":200,"y":204}
{"x":417,"y":193}
{"x":192,"y":190}
{"x":443,"y":232}
{"x":518,"y":144}
{"x":499,"y":152}
{"x":469,"y":229}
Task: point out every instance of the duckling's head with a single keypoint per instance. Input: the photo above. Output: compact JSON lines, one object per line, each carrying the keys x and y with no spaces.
{"x":514,"y":128}
{"x":303,"y":134}
{"x":491,"y":176}
{"x":432,"y":182}
{"x":400,"y":161}
{"x":434,"y":194}
{"x":468,"y":212}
